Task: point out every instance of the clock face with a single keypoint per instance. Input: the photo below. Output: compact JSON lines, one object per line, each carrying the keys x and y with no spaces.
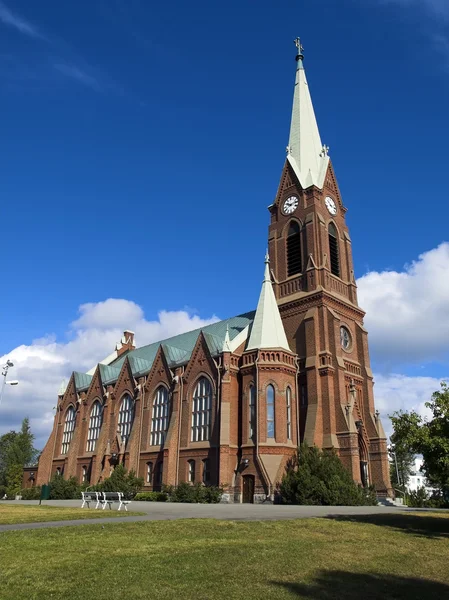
{"x":345,"y":338}
{"x":290,"y":205}
{"x":330,"y":205}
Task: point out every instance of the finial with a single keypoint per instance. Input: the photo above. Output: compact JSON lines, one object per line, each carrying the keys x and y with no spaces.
{"x":300,"y":49}
{"x":267,"y":257}
{"x":288,"y":149}
{"x":324,"y":151}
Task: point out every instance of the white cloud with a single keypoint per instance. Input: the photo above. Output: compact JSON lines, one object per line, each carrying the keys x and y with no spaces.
{"x":75,"y":73}
{"x":13,"y":20}
{"x":41,"y":366}
{"x":400,"y":392}
{"x":407,"y":312}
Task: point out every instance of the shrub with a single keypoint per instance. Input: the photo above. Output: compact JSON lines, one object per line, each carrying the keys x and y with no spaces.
{"x":151,"y":496}
{"x":33,"y":493}
{"x":64,"y":489}
{"x":14,"y":476}
{"x":421,"y":499}
{"x":121,"y":481}
{"x":317,"y":477}
{"x":2,"y":491}
{"x":185,"y":492}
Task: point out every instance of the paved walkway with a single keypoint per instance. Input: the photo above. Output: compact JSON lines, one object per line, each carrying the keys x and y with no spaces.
{"x":163,"y":511}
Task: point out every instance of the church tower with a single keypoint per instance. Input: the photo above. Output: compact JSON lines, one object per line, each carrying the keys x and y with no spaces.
{"x":311,"y":267}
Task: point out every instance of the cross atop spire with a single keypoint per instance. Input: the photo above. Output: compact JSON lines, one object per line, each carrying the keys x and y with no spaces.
{"x":305,"y":152}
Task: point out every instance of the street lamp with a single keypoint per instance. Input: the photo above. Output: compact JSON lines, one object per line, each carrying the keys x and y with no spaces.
{"x":391,"y":451}
{"x":5,"y":368}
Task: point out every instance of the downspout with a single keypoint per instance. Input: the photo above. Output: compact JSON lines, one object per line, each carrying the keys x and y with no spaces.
{"x":180,"y":394}
{"x":142,"y":399}
{"x":217,"y":414}
{"x":259,"y":460}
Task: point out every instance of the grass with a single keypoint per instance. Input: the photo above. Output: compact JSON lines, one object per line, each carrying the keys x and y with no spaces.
{"x":22,"y":513}
{"x":401,"y":556}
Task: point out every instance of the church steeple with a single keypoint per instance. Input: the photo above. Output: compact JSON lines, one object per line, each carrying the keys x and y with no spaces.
{"x":268,"y":330}
{"x":305,"y":152}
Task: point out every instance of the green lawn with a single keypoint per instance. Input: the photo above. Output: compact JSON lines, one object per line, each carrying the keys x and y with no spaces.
{"x":398,"y":556}
{"x":23,"y":513}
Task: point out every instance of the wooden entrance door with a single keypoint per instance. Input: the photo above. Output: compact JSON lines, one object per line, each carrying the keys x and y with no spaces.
{"x":248,"y":489}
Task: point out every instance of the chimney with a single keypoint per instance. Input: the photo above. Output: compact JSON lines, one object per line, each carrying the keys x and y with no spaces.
{"x":126,"y":343}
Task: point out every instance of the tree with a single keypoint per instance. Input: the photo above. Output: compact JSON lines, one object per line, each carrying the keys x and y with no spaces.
{"x":318,"y":477}
{"x":404,"y":461}
{"x":430,"y":438}
{"x":16,"y":450}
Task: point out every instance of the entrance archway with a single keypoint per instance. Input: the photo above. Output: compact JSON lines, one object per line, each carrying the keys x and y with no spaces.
{"x":248,"y":489}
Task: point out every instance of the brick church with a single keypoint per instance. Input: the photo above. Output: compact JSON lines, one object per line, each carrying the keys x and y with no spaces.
{"x":228,"y":404}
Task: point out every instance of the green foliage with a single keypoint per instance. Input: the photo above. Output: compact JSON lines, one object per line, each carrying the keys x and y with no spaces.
{"x":121,"y":481}
{"x":14,"y":476}
{"x":316,"y":477}
{"x":186,"y":492}
{"x":16,"y":448}
{"x":151,"y":496}
{"x":64,"y":489}
{"x":430,"y":438}
{"x":2,"y":491}
{"x":421,"y":499}
{"x":33,"y":493}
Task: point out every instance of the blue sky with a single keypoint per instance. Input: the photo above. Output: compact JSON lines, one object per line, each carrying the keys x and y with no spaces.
{"x":142,"y":142}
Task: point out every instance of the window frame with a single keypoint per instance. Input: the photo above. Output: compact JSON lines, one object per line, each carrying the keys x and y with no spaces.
{"x":252,"y":411}
{"x":160,"y":416}
{"x":271,"y":414}
{"x":125,"y":425}
{"x":69,"y":428}
{"x":288,"y":400}
{"x":94,"y":428}
{"x":293,"y":249}
{"x":201,"y":413}
{"x":191,"y":468}
{"x":334,"y":249}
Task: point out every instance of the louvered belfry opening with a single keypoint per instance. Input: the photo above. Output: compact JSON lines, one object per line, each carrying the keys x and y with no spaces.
{"x":333,"y":250}
{"x":294,"y":262}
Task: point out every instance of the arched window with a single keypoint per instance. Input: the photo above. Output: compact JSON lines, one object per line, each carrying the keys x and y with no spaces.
{"x":206,"y":472}
{"x":94,"y":426}
{"x":69,"y":427}
{"x":333,"y":250}
{"x":289,"y":413}
{"x":294,"y":260}
{"x":149,"y":472}
{"x":125,"y":417}
{"x":191,"y":474}
{"x":201,"y":411}
{"x":252,"y":412}
{"x":270,"y":412}
{"x":159,"y":421}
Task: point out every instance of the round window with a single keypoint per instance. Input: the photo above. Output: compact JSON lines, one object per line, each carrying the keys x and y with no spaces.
{"x":345,"y":338}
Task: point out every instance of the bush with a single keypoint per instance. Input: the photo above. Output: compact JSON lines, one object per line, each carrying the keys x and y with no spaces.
{"x":421,"y":499}
{"x":185,"y":492}
{"x":317,"y":477}
{"x":152,"y":496}
{"x":64,"y":489}
{"x":33,"y":493}
{"x":121,"y":481}
{"x":2,"y":491}
{"x":14,"y":476}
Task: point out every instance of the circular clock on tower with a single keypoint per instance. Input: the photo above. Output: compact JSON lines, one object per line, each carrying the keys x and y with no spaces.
{"x":330,"y":205}
{"x":290,"y":205}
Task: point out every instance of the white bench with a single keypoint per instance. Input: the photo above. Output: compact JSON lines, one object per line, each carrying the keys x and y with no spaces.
{"x":110,"y":497}
{"x":89,"y":497}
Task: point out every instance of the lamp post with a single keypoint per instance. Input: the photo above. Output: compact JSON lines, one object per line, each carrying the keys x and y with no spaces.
{"x":391,"y":451}
{"x":5,"y":368}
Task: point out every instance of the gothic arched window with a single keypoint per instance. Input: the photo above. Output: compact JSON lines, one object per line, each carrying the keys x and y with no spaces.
{"x":333,"y":250}
{"x":270,"y":412}
{"x":201,"y":410}
{"x":294,"y":259}
{"x":125,"y":417}
{"x":159,"y":420}
{"x":69,"y":426}
{"x":252,"y":411}
{"x":94,"y":426}
{"x":289,"y":413}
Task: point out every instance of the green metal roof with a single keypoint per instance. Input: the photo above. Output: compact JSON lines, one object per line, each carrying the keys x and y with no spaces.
{"x":82,"y":380}
{"x":108,"y":374}
{"x":179,"y":348}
